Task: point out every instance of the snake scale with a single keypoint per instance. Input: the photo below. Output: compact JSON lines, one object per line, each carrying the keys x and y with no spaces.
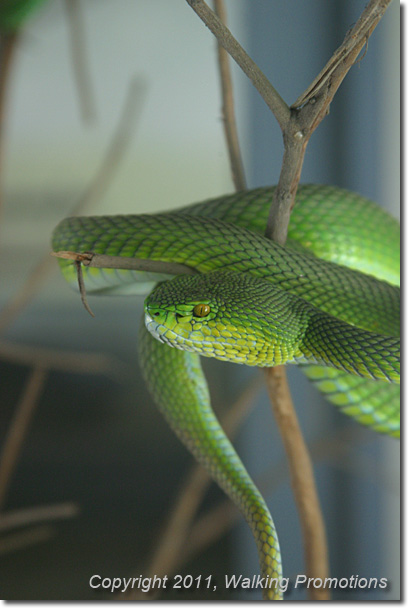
{"x":329,"y":302}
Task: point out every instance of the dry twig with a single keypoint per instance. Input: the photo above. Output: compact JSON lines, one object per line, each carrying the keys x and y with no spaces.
{"x":35,"y":514}
{"x":78,"y":56}
{"x":90,"y":259}
{"x":8,"y":45}
{"x":18,"y":429}
{"x":297,"y":123}
{"x":229,"y":43}
{"x":228,"y":110}
{"x":67,"y":361}
{"x":21,"y":540}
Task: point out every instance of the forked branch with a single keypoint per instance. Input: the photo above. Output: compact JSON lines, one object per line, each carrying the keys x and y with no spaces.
{"x":297,"y":123}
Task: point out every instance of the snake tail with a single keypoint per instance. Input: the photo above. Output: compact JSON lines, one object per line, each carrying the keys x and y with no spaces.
{"x":176,"y":381}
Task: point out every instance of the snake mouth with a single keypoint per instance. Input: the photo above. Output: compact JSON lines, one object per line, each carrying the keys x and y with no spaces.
{"x":160,"y":332}
{"x":178,"y":336}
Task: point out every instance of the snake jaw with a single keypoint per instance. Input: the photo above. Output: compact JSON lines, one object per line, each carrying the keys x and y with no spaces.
{"x":167,"y":325}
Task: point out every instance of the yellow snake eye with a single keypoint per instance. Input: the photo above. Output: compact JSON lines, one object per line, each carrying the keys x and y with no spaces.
{"x":201,"y":310}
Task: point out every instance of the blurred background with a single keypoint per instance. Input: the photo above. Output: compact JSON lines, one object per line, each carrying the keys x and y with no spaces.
{"x":93,"y":470}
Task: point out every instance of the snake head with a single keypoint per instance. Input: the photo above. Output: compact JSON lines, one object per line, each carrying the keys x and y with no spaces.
{"x":222,"y":314}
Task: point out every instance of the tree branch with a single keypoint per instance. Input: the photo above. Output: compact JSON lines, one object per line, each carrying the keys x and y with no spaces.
{"x":78,"y":57}
{"x":21,"y":540}
{"x":302,"y":479}
{"x":309,"y":110}
{"x":228,"y":110}
{"x":59,"y":360}
{"x":269,"y":94}
{"x":90,"y":259}
{"x":35,"y":514}
{"x":8,"y":46}
{"x":297,"y":454}
{"x":344,"y":57}
{"x":18,"y":429}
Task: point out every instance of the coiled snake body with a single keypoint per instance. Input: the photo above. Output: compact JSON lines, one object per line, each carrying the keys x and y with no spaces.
{"x":257,"y":303}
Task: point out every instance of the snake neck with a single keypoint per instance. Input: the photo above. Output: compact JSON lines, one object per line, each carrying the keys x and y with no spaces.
{"x":330,"y":341}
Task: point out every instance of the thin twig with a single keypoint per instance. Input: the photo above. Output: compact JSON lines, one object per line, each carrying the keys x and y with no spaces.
{"x":272,"y":98}
{"x":90,"y":259}
{"x":309,"y":110}
{"x":228,"y":110}
{"x":8,"y":45}
{"x":79,"y":63}
{"x":35,"y":514}
{"x":81,"y":286}
{"x":351,"y":46}
{"x":68,"y":361}
{"x":105,"y":261}
{"x":21,"y":540}
{"x":117,"y":147}
{"x":18,"y":429}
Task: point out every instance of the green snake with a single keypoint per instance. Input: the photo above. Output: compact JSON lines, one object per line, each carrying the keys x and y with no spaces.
{"x":316,"y":303}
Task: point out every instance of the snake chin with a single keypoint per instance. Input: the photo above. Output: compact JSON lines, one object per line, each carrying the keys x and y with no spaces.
{"x":158,"y":332}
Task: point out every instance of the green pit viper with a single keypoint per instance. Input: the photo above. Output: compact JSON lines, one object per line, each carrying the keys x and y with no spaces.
{"x":316,"y":303}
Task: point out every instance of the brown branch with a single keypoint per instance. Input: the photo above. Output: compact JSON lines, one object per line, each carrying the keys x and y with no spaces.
{"x":81,"y":286}
{"x":344,"y":57}
{"x":21,"y":540}
{"x":228,"y":110}
{"x":269,"y":94}
{"x":302,"y":479}
{"x":27,"y":516}
{"x":8,"y":45}
{"x":297,"y":125}
{"x":110,"y":163}
{"x":78,"y":57}
{"x":58,"y":360}
{"x":18,"y":429}
{"x":90,"y":259}
{"x":309,"y":110}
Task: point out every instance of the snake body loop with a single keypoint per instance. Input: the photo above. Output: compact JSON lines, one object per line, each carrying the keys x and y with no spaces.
{"x":298,"y":305}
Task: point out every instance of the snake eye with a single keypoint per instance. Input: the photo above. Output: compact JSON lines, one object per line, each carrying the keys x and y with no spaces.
{"x":201,"y":310}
